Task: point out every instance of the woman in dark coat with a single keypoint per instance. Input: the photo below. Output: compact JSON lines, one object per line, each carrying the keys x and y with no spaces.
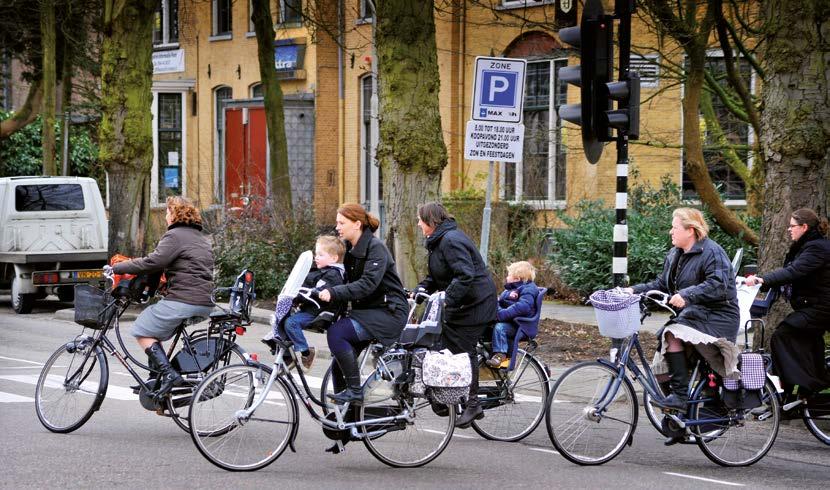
{"x":456,"y":267}
{"x":378,"y":304}
{"x":798,"y":342}
{"x":698,"y":275}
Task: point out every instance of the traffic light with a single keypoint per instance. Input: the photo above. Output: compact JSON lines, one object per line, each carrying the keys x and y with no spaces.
{"x":593,"y":37}
{"x":626,"y":118}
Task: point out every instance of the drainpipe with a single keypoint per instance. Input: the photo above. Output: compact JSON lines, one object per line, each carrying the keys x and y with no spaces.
{"x":341,"y":107}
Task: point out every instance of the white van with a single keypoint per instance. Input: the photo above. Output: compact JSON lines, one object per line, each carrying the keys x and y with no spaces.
{"x":53,"y":235}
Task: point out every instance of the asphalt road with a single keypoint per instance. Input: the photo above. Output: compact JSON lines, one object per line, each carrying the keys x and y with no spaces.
{"x":125,"y":445}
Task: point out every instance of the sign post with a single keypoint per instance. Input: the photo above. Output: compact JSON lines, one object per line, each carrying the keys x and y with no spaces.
{"x":495,"y":132}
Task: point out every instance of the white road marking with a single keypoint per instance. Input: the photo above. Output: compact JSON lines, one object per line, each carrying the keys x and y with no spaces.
{"x":455,"y":434}
{"x":21,"y":360}
{"x":542,"y":450}
{"x":12,"y":398}
{"x":710,"y":480}
{"x":115,"y":392}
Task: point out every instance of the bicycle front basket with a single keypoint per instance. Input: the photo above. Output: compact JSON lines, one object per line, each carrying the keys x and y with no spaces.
{"x":618,"y":314}
{"x":90,"y":303}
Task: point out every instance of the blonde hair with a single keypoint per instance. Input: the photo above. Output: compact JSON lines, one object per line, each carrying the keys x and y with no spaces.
{"x":692,"y":218}
{"x":332,"y":246}
{"x":522,"y":270}
{"x":182,"y":210}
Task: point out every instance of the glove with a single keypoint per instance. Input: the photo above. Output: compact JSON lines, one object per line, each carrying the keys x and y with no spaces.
{"x":107,"y":270}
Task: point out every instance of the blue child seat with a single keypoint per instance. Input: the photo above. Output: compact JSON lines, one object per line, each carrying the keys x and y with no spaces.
{"x":528,"y":327}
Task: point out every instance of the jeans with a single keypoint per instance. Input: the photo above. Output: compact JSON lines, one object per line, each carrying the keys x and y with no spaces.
{"x":503,"y":333}
{"x":293,"y":328}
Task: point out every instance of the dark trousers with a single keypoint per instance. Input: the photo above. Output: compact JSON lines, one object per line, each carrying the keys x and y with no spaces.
{"x":798,"y":354}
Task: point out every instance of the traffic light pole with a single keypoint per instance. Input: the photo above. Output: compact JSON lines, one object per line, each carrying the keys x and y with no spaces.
{"x":620,"y":262}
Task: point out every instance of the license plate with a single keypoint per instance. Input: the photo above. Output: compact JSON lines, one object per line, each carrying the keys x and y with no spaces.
{"x":90,"y":274}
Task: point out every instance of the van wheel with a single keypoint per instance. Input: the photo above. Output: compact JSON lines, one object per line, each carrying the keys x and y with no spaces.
{"x":21,"y":303}
{"x":66,"y":293}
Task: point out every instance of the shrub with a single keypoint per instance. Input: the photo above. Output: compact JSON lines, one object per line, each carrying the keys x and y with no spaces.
{"x":263,"y":238}
{"x":582,"y":252}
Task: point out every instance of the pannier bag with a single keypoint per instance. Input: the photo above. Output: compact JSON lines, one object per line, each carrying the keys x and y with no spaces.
{"x":89,"y":307}
{"x":417,"y":387}
{"x":746,"y":392}
{"x":447,"y":376}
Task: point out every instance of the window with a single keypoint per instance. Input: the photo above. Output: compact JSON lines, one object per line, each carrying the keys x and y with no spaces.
{"x":648,"y":67}
{"x":541,"y":174}
{"x":367,"y":10}
{"x":291,"y":11}
{"x":49,"y":197}
{"x":221,"y":96}
{"x":222,"y":13}
{"x":257,"y":91}
{"x":166,"y":24}
{"x":372,"y":173}
{"x":736,"y":132}
{"x":169,"y":136}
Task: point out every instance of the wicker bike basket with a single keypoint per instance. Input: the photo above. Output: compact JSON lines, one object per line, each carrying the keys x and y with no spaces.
{"x":618,"y":313}
{"x":91,"y":309}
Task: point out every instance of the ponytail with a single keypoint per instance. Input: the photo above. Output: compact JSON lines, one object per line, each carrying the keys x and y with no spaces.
{"x":810,"y":218}
{"x":355,"y":212}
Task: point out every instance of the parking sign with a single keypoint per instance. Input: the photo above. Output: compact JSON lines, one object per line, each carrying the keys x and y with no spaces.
{"x":498,"y":91}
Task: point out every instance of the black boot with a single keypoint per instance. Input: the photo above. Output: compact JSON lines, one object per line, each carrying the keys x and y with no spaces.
{"x":168,"y":377}
{"x":351,"y":372}
{"x":678,"y":383}
{"x":472,"y":410}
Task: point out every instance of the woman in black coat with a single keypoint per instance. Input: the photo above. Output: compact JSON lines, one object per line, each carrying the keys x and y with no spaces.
{"x":378,"y":304}
{"x":798,"y":343}
{"x":456,"y":267}
{"x":698,"y":275}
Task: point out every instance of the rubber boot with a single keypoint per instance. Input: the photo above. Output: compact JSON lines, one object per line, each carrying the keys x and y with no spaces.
{"x":351,"y":372}
{"x":472,"y":410}
{"x":678,"y":386}
{"x":168,"y":377}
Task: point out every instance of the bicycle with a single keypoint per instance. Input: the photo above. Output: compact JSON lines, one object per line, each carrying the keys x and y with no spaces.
{"x":592,"y":408}
{"x":74,"y":380}
{"x":244,"y":417}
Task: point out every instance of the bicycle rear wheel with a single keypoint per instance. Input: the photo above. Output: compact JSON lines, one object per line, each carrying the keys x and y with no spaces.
{"x":581,"y":434}
{"x":741,"y":442}
{"x":232,"y":439}
{"x":71,"y":386}
{"x":514,"y":406}
{"x":817,"y":416}
{"x":407,"y":443}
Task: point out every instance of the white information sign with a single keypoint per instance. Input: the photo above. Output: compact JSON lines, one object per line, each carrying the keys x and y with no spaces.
{"x":171,"y":61}
{"x":498,"y":90}
{"x":494,"y":141}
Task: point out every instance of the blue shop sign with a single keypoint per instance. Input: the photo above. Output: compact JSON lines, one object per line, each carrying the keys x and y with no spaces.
{"x":287,"y":55}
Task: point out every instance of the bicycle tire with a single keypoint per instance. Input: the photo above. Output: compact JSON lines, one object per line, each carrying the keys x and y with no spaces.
{"x":178,"y":403}
{"x":575,"y":430}
{"x":229,"y":440}
{"x":512,"y":414}
{"x":816,"y":416}
{"x":405,"y":444}
{"x":70,"y":391}
{"x":730,"y":445}
{"x":327,"y":386}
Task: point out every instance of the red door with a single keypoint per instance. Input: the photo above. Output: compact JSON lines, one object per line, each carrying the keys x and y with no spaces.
{"x":246,"y":156}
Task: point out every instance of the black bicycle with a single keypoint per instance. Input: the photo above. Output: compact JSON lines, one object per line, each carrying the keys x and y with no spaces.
{"x":73,"y":382}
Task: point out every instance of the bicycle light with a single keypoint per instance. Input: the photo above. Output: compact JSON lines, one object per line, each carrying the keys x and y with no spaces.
{"x":240,"y":330}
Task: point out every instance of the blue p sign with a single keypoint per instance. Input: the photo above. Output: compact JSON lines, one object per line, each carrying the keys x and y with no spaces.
{"x":498,"y":88}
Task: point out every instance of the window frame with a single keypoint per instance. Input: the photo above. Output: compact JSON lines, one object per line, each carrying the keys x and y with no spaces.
{"x":215,"y":35}
{"x":154,"y":180}
{"x":166,"y":43}
{"x":290,"y":22}
{"x":219,"y":143}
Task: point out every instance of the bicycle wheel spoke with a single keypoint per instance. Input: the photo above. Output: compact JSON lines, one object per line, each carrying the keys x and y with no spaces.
{"x":70,"y":388}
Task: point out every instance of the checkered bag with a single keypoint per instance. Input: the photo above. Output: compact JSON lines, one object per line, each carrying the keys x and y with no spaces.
{"x":746,"y":392}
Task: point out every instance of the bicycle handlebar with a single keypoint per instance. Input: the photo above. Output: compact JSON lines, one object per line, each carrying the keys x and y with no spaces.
{"x":660,"y":299}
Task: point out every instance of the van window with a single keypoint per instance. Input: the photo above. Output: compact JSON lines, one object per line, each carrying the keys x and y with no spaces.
{"x":49,"y":197}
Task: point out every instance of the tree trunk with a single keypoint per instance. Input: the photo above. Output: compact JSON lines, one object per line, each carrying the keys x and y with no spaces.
{"x":125,"y":131}
{"x":411,"y":149}
{"x":28,"y":113}
{"x":274,"y":112}
{"x":796,"y":139}
{"x":48,"y":28}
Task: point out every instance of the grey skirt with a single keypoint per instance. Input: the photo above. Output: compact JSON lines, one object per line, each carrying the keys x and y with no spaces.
{"x":721,"y":354}
{"x":160,"y":320}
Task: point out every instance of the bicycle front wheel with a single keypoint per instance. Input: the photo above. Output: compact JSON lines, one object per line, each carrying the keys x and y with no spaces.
{"x":71,"y":386}
{"x":817,"y":416}
{"x":592,"y":414}
{"x":230,"y":429}
{"x":514,"y":404}
{"x":743,"y":440}
{"x":409,"y":442}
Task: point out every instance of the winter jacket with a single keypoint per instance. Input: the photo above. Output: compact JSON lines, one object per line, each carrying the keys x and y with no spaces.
{"x":456,"y":267}
{"x":331,"y":275}
{"x":374,"y":289}
{"x":807,"y":270}
{"x":185,"y":255}
{"x":517,"y":300}
{"x":703,"y":278}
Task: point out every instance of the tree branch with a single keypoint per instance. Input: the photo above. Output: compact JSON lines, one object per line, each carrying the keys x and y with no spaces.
{"x":28,"y":113}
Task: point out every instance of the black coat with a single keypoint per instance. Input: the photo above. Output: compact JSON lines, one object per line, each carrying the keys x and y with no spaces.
{"x":456,"y":267}
{"x":703,"y":277}
{"x":374,"y":289}
{"x":807,"y":270}
{"x":331,"y":275}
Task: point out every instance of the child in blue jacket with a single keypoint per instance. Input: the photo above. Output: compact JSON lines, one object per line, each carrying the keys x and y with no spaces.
{"x":517,"y":300}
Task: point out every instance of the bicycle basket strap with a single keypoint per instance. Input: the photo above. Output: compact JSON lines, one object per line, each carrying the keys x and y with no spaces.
{"x":753,"y":373}
{"x":445,"y":370}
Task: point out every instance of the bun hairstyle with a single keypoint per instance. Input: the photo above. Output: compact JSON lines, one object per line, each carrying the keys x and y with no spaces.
{"x":355,"y":212}
{"x":810,"y":218}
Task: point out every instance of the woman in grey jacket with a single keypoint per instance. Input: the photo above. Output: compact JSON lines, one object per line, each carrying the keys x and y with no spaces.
{"x":185,"y":255}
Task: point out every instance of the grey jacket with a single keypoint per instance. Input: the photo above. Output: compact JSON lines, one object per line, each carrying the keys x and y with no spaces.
{"x":185,"y":255}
